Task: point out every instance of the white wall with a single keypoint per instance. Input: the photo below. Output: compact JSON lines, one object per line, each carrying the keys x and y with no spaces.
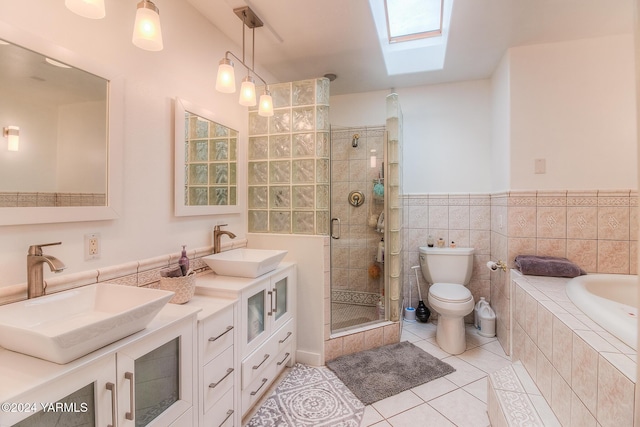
{"x":447,"y":133}
{"x":500,"y":126}
{"x":185,"y":68}
{"x":573,"y":104}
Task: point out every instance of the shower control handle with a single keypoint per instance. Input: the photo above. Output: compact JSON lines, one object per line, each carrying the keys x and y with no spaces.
{"x":335,"y":235}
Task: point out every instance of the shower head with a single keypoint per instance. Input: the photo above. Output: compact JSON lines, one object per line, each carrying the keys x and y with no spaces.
{"x":354,"y":141}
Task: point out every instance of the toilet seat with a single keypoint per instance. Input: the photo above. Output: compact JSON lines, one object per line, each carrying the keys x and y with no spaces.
{"x":450,"y":292}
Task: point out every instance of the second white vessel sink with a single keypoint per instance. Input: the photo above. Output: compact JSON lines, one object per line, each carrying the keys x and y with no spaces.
{"x":245,"y":262}
{"x":64,"y":326}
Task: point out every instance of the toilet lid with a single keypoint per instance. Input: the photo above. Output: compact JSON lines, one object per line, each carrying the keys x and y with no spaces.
{"x":449,"y":292}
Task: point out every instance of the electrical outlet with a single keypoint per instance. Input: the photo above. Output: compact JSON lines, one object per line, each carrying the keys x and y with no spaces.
{"x":91,"y":246}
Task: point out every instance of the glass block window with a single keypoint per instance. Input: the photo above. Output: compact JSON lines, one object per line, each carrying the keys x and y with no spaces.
{"x":289,"y":160}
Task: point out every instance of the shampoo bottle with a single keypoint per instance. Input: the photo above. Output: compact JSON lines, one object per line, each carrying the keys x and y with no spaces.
{"x":183,"y":262}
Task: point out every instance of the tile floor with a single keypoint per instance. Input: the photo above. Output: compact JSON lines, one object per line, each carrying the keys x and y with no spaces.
{"x":458,"y":399}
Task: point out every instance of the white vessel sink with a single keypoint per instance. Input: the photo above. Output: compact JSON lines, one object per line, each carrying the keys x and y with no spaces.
{"x":245,"y":262}
{"x":64,"y":326}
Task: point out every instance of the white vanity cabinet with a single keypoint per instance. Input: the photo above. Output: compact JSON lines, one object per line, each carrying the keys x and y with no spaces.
{"x":218,"y":362}
{"x":144,"y":379}
{"x":266,"y":326}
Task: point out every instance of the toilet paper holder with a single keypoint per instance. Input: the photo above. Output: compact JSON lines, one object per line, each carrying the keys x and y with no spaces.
{"x":494,"y":265}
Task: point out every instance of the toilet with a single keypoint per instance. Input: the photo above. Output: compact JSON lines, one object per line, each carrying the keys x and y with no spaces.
{"x":449,"y":271}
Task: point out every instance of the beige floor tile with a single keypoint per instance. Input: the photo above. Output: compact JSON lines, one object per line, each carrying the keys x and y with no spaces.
{"x":482,"y":359}
{"x":433,"y":389}
{"x":371,"y":416}
{"x":432,"y":349}
{"x":473,"y":415}
{"x":396,"y":404}
{"x":423,"y":415}
{"x":478,"y":389}
{"x":465,"y":373}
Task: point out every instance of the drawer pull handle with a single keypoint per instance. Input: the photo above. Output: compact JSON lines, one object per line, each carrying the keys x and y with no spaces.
{"x":213,"y":385}
{"x":285,"y":338}
{"x":229,"y":413}
{"x":270,"y":313}
{"x":229,"y":328}
{"x":264,"y":381}
{"x":112,"y":388}
{"x":286,"y":356}
{"x":266,"y":356}
{"x":129,"y":415}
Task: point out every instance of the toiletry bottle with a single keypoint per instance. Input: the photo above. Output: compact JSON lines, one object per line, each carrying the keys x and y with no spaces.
{"x":441,"y":242}
{"x":430,"y":241}
{"x":453,"y":244}
{"x":183,"y":262}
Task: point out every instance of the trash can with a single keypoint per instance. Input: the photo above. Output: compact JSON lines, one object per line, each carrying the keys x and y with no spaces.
{"x":487,"y":321}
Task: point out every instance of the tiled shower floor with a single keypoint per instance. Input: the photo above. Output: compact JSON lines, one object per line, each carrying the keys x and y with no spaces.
{"x":458,"y":399}
{"x":347,"y":315}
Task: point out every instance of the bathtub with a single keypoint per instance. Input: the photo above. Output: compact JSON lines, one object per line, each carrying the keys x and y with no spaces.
{"x":610,"y":300}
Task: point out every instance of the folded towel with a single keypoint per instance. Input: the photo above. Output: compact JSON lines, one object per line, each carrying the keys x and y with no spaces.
{"x":547,"y":266}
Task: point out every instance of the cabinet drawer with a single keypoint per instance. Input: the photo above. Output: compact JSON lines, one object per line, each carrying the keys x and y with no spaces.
{"x":252,"y":393}
{"x":285,"y":335}
{"x":254,"y":365}
{"x":283,"y":358}
{"x":217,"y":378}
{"x":222,"y":413}
{"x":218,"y":333}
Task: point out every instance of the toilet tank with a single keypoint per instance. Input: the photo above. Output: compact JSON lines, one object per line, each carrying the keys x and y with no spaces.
{"x":446,"y":265}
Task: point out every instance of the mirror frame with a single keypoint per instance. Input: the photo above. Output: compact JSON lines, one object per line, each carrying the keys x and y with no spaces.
{"x":182,"y":106}
{"x":46,"y":215}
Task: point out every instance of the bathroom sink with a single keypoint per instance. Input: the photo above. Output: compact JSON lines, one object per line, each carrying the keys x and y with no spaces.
{"x":64,"y":326}
{"x":245,"y":262}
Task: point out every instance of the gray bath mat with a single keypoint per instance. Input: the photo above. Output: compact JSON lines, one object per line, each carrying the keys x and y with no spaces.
{"x":309,"y":397}
{"x":382,"y":372}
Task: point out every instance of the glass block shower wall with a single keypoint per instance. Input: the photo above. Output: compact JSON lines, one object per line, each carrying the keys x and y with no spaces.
{"x":288,"y":167}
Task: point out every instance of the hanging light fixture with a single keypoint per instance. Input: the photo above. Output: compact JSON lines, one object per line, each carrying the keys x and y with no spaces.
{"x":147,"y":33}
{"x":12,"y":133}
{"x":93,"y":9}
{"x":225,"y":81}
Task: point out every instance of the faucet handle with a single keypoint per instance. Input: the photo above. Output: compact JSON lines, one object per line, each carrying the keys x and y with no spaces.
{"x":217,"y":227}
{"x":37,"y":249}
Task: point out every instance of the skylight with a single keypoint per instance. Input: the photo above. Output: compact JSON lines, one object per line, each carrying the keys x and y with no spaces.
{"x":413,"y":19}
{"x":419,"y":51}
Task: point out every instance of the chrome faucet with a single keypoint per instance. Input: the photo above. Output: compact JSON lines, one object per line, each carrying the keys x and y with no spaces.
{"x":35,"y":260}
{"x":217,"y":233}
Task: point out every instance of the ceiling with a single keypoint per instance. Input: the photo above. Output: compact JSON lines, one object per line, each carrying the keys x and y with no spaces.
{"x":305,"y":39}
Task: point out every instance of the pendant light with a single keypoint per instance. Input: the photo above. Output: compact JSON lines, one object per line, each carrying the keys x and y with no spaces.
{"x":225,"y":80}
{"x":147,"y":33}
{"x":93,"y":9}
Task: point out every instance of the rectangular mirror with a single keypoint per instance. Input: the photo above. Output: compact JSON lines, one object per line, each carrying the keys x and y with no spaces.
{"x":206,"y":166}
{"x":66,"y":114}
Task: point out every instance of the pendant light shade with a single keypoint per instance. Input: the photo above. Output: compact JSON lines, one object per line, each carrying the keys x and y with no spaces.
{"x":248,"y":92}
{"x":93,"y":9}
{"x":147,"y":33}
{"x":266,"y":104}
{"x":226,"y":80}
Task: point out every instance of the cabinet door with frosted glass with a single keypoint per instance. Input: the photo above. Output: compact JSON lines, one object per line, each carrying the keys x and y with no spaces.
{"x":256,"y":304}
{"x":282,"y":297}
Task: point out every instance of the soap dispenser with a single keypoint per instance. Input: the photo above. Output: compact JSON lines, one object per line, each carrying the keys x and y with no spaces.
{"x":183,"y":262}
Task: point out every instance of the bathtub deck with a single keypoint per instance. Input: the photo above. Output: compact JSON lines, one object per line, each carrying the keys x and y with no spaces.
{"x":586,"y":374}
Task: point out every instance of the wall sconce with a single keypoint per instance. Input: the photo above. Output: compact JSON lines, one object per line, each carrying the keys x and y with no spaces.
{"x":93,"y":9}
{"x":226,"y":81}
{"x":12,"y":133}
{"x":147,"y":33}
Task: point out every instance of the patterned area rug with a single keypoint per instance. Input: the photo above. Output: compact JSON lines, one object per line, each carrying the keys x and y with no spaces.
{"x":309,"y":396}
{"x":382,"y":372}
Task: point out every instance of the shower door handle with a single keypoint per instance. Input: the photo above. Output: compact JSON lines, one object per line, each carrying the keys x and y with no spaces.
{"x":334,"y":221}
